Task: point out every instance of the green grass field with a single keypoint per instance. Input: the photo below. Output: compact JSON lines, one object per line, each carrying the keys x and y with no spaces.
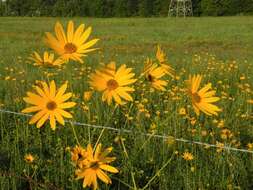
{"x":221,"y":49}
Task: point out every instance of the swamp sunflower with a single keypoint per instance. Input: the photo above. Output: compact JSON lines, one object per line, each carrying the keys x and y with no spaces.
{"x":113,"y":83}
{"x":203,"y":99}
{"x":72,"y":44}
{"x":49,"y":103}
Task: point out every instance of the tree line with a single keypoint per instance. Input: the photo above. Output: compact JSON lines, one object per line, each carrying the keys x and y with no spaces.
{"x":119,"y":8}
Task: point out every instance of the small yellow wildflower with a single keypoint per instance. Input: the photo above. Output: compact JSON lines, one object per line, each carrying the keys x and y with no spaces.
{"x":7,"y":78}
{"x":182,"y":111}
{"x":250,"y":101}
{"x":188,"y":156}
{"x":193,"y":121}
{"x":220,"y":147}
{"x":171,"y":140}
{"x":87,"y":95}
{"x":29,"y":158}
{"x":226,"y":134}
{"x":250,"y":146}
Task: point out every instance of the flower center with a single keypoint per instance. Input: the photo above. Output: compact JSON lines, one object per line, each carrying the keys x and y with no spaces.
{"x":46,"y":63}
{"x":196,"y":98}
{"x":112,"y":84}
{"x":51,"y":105}
{"x":70,"y":48}
{"x":150,"y":78}
{"x":94,"y":165}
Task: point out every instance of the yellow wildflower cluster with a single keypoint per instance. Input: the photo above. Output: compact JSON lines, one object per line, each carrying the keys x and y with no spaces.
{"x":116,"y":85}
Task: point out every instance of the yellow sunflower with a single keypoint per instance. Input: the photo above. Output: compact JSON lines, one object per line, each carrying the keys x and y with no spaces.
{"x":153,"y":74}
{"x":188,"y":156}
{"x":49,"y":104}
{"x":72,"y":45}
{"x":161,"y":57}
{"x":113,"y":84}
{"x":46,"y":60}
{"x":93,"y":166}
{"x":202,"y":99}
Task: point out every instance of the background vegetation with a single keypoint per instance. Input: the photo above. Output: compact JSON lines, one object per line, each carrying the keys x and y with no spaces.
{"x":119,"y":8}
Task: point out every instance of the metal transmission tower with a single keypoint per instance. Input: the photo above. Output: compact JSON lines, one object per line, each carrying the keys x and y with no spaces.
{"x":180,"y":8}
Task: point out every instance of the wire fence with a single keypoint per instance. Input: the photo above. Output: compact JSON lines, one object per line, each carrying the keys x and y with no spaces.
{"x":228,"y":148}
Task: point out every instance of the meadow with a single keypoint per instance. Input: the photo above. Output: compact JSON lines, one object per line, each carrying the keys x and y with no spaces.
{"x":218,"y":48}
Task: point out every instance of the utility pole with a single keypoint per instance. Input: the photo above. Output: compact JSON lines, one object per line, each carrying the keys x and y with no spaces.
{"x":180,"y":8}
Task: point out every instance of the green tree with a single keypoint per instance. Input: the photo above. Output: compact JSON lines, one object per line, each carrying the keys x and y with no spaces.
{"x":2,"y":8}
{"x":59,"y":8}
{"x":85,"y":8}
{"x":226,"y":7}
{"x":196,"y":6}
{"x":73,"y":7}
{"x":209,"y":8}
{"x":146,"y":8}
{"x":160,"y":7}
{"x":47,"y":7}
{"x":246,"y":7}
{"x":132,"y":7}
{"x":120,"y":8}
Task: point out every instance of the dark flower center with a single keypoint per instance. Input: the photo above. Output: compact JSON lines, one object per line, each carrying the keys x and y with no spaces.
{"x":46,"y":63}
{"x":70,"y":48}
{"x":112,"y":84}
{"x":150,"y":78}
{"x":94,"y":165}
{"x":51,"y":105}
{"x":196,"y":98}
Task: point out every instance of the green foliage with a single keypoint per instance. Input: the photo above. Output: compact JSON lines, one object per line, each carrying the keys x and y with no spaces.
{"x":226,"y":7}
{"x":119,"y":8}
{"x":196,"y":5}
{"x":146,"y":8}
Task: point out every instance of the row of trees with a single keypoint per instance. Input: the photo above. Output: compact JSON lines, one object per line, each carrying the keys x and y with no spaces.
{"x":119,"y":8}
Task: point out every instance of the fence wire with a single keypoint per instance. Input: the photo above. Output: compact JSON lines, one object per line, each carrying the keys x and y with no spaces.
{"x":228,"y":148}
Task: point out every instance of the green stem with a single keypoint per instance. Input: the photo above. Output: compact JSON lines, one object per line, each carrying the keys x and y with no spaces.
{"x":129,"y":186}
{"x":74,"y":132}
{"x":103,"y":130}
{"x":124,"y":148}
{"x":127,"y":157}
{"x":158,"y":172}
{"x":99,"y":138}
{"x":146,"y":142}
{"x":132,"y":175}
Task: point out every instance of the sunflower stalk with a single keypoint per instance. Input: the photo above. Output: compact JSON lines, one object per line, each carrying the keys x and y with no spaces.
{"x":145,"y":142}
{"x":127,"y":157}
{"x":129,"y":186}
{"x":74,"y":132}
{"x":101,"y":133}
{"x":99,"y":138}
